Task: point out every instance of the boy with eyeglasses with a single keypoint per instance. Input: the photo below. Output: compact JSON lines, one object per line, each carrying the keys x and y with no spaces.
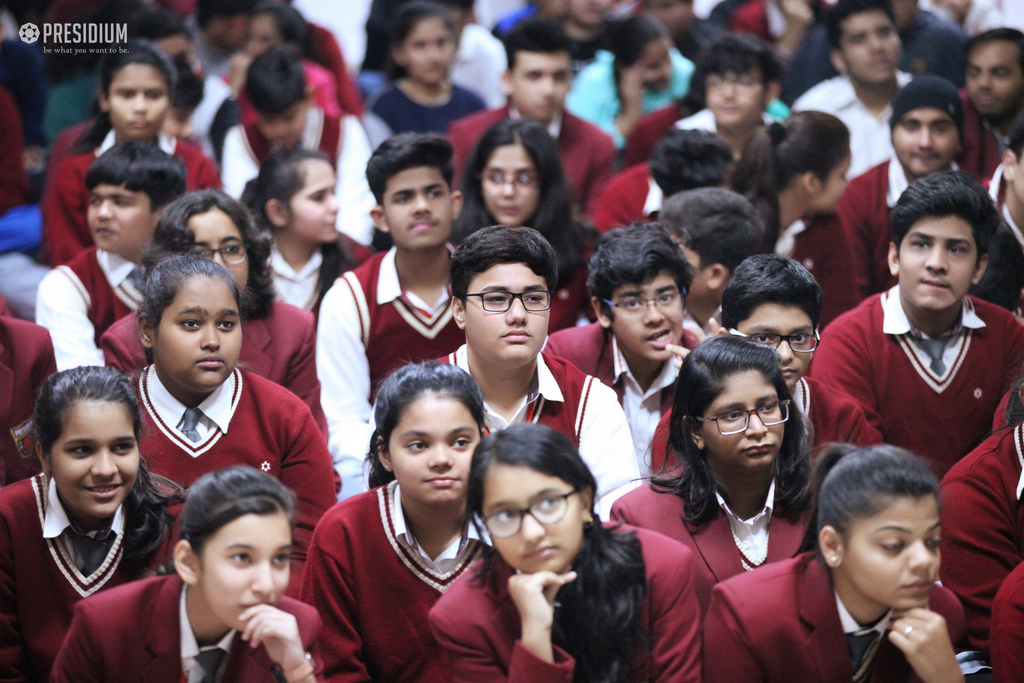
{"x":501,"y":295}
{"x":638,"y":279}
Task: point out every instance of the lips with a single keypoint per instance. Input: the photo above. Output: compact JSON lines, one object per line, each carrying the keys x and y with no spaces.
{"x":541,"y":553}
{"x":935,"y":284}
{"x":661,"y":340}
{"x":516,"y":336}
{"x":103,"y":493}
{"x":442,"y":482}
{"x":211,"y":363}
{"x":420,"y":226}
{"x":757,"y":451}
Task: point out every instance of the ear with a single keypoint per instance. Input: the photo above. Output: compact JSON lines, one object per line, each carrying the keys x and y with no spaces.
{"x":602,"y":317}
{"x":380,"y":219}
{"x":697,"y":433}
{"x":506,"y":82}
{"x":717,"y":277}
{"x":831,"y":545}
{"x":44,"y":460}
{"x":979,"y":270}
{"x":383,"y":455}
{"x":147,"y":333}
{"x":1009,"y":166}
{"x":186,"y":563}
{"x":838,"y":62}
{"x":894,"y":260}
{"x":102,"y":100}
{"x":458,"y":199}
{"x":277,"y":213}
{"x":587,"y":499}
{"x":810,"y":183}
{"x":459,"y":312}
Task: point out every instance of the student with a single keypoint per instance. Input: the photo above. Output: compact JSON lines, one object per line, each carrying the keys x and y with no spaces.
{"x":26,"y":360}
{"x":716,"y":229}
{"x":421,"y":98}
{"x":690,"y":33}
{"x":638,"y":279}
{"x":862,"y":604}
{"x":202,"y":413}
{"x":223,"y":615}
{"x":279,"y":343}
{"x":682,"y":160}
{"x":395,"y":308}
{"x":927,"y":126}
{"x":777,"y":302}
{"x":128,"y":187}
{"x":927,"y":362}
{"x":514,"y":177}
{"x":562,"y":596}
{"x":588,"y":25}
{"x":429,"y":417}
{"x":293,"y":199}
{"x":1007,"y":186}
{"x":479,"y":56}
{"x":286,"y":117}
{"x":795,"y":173}
{"x":536,"y":83}
{"x":739,"y":493}
{"x":221,"y":31}
{"x":640,"y":72}
{"x":185,"y":99}
{"x":93,"y":519}
{"x":501,"y":293}
{"x":134,"y":99}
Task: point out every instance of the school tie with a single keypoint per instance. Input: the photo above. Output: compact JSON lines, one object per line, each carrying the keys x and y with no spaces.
{"x":91,"y":551}
{"x":188,"y":424}
{"x":210,"y":661}
{"x":863,"y":648}
{"x":136,"y":277}
{"x":933,"y":348}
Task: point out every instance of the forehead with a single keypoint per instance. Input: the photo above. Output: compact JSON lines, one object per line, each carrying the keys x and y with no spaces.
{"x":541,"y":61}
{"x":925,"y":115}
{"x":745,"y":386}
{"x":317,"y":172}
{"x":995,"y":52}
{"x":414,"y":179}
{"x":138,"y":76}
{"x":210,"y":293}
{"x":95,"y":419}
{"x":516,"y":484}
{"x":943,"y":227}
{"x":864,"y":21}
{"x":213,"y":226}
{"x":659,"y":281}
{"x":104,"y":190}
{"x":918,"y":515}
{"x":776,"y":318}
{"x":435,"y":413}
{"x":511,"y":276}
{"x":430,"y":27}
{"x":262,"y":532}
{"x":507,"y":156}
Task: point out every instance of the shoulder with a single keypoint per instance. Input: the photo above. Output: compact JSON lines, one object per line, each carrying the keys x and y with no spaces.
{"x":833,"y":400}
{"x":662,"y":555}
{"x":644,"y":505}
{"x":472,"y":601}
{"x":576,"y":341}
{"x":772,"y":586}
{"x":631,"y":178}
{"x":478,"y":121}
{"x":24,"y":339}
{"x":352,"y":515}
{"x":581,"y":128}
{"x":465,"y":97}
{"x":119,"y":607}
{"x":994,"y":463}
{"x":945,"y":603}
{"x":272,"y":399}
{"x":856,"y":318}
{"x":286,"y":318}
{"x":998,"y":318}
{"x":823,"y":96}
{"x":19,"y":501}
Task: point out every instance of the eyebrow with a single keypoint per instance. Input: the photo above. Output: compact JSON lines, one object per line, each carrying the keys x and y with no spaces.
{"x":506,"y":504}
{"x":767,"y":329}
{"x":194,"y":310}
{"x":506,"y":289}
{"x":896,"y":527}
{"x":737,"y":404}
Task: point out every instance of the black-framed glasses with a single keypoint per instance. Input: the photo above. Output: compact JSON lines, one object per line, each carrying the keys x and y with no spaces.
{"x":231,"y":254}
{"x":637,"y":305}
{"x":801,"y":343}
{"x":499,"y":302}
{"x":525,"y":180}
{"x":736,"y":421}
{"x":548,"y":510}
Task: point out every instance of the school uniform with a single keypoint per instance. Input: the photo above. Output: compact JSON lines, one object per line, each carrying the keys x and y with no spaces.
{"x":43,"y":575}
{"x":725,"y":546}
{"x":280,"y":347}
{"x":247,"y":420}
{"x":583,"y":409}
{"x":981,"y":149}
{"x":79,"y":301}
{"x":26,"y":361}
{"x":344,"y":142}
{"x":632,"y":195}
{"x":477,"y":622}
{"x":569,"y":303}
{"x":376,"y":631}
{"x":782,"y":624}
{"x":648,"y":133}
{"x":983,"y":527}
{"x":1008,"y":629}
{"x":936,"y":407}
{"x":65,"y":224}
{"x":139,"y":633}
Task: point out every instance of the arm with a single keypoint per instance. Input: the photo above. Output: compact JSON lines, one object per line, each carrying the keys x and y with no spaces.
{"x":65,"y":227}
{"x":607,"y":447}
{"x":675,"y":620}
{"x":300,"y":377}
{"x":858,"y":233}
{"x":207,"y":177}
{"x":121,"y":347}
{"x":601,"y":165}
{"x":1008,"y":633}
{"x":12,"y":651}
{"x":237,"y":167}
{"x":61,"y":308}
{"x":728,"y":653}
{"x":841,"y":362}
{"x":354,"y":194}
{"x":80,"y":659}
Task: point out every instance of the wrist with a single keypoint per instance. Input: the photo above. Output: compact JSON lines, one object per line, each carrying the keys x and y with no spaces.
{"x":301,"y":669}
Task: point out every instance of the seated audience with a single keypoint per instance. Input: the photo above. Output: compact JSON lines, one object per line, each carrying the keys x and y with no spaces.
{"x":26,"y":360}
{"x":689,"y":33}
{"x":480,"y":58}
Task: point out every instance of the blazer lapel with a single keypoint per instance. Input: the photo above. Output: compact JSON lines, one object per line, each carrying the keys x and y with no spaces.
{"x":717,"y":547}
{"x":818,"y":612}
{"x":785,"y":534}
{"x":246,"y":664}
{"x":163,"y":643}
{"x":256,"y":338}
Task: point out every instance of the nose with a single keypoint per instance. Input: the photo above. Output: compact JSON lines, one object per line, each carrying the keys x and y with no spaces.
{"x":924,"y":136}
{"x":440,"y":458}
{"x":262,"y":579}
{"x":105,"y":210}
{"x":103,"y":465}
{"x":921,"y":558}
{"x":530,"y":529}
{"x":653,"y":314}
{"x":548,"y":86}
{"x":516,"y":312}
{"x":785,"y":352}
{"x":421,"y":203}
{"x":936,"y":259}
{"x":211,"y":337}
{"x":755,"y":425}
{"x":508,"y":187}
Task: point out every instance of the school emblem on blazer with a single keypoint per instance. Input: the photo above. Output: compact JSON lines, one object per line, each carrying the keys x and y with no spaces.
{"x":23,"y":438}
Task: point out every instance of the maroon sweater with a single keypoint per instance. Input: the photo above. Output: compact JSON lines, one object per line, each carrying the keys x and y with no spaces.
{"x":105,"y":305}
{"x":865,"y":215}
{"x":26,"y":360}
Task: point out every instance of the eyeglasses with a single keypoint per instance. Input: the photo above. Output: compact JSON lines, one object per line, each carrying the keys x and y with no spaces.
{"x":499,"y":302}
{"x":715,"y":82}
{"x":232,"y":254}
{"x":736,"y":421}
{"x":524,"y":180}
{"x":637,"y":305}
{"x":801,"y":343}
{"x":547,"y":511}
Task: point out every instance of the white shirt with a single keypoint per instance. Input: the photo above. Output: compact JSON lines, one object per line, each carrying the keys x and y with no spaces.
{"x":215,"y":92}
{"x":444,"y":562}
{"x":605,"y":442}
{"x":850,"y":625}
{"x":705,"y":120}
{"x":751,"y":535}
{"x":479,"y":64}
{"x":62,"y":307}
{"x":56,"y":521}
{"x":655,"y":196}
{"x":344,"y":372}
{"x":296,"y":288}
{"x":190,"y":647}
{"x":785,"y":246}
{"x":216,"y":409}
{"x":166,"y":143}
{"x":642,"y":408}
{"x":898,"y":182}
{"x":354,"y":197}
{"x":896,"y":322}
{"x":554,"y":128}
{"x":870,"y":136}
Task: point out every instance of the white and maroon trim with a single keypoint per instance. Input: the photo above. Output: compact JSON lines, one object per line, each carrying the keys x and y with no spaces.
{"x":938,"y":383}
{"x":1018,"y":441}
{"x":428,"y":326}
{"x":167,"y":423}
{"x":582,"y":409}
{"x":362,"y":307}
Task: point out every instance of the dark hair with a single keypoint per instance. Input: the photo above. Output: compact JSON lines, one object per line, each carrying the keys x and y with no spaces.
{"x":538,"y":34}
{"x":166,"y":279}
{"x":188,"y":91}
{"x":807,"y":141}
{"x":147,"y":519}
{"x":404,"y":151}
{"x":133,"y":52}
{"x":220,"y":497}
{"x":1003,"y":279}
{"x":208,"y":9}
{"x":281,"y":176}
{"x":498,"y":245}
{"x":1002,"y":34}
{"x":769,"y":279}
{"x":944,"y":194}
{"x":276,"y":80}
{"x":844,"y":9}
{"x":701,"y":379}
{"x":404,"y":20}
{"x":720,"y":225}
{"x":292,"y":26}
{"x":1015,"y":142}
{"x":628,"y":38}
{"x":689,"y":159}
{"x":1014,"y":407}
{"x":405,"y":386}
{"x":611,"y":581}
{"x":553,"y":218}
{"x":139,"y":167}
{"x":634,"y":255}
{"x":173,"y":236}
{"x":738,"y":53}
{"x":157,"y":23}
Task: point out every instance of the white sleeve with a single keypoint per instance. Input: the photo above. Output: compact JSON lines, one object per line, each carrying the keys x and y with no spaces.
{"x":354,"y":196}
{"x":62,"y":308}
{"x":607,"y":447}
{"x":237,"y":167}
{"x":344,"y":375}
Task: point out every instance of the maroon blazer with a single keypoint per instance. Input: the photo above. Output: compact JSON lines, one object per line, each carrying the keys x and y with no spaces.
{"x":1008,"y":629}
{"x":713,"y":542}
{"x":26,"y":360}
{"x":280,"y":347}
{"x":979,"y":151}
{"x":865,"y":214}
{"x":133,"y":633}
{"x":780,"y":624}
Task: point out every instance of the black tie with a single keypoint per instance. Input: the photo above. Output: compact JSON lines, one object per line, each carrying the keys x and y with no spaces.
{"x":91,"y":551}
{"x":210,"y":661}
{"x":863,"y":648}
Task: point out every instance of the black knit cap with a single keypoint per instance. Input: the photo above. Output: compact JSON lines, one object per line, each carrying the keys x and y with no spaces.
{"x":927,"y":90}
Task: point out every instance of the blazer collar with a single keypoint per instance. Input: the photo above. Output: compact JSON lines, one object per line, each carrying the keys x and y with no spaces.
{"x":718,"y":548}
{"x":826,"y":643}
{"x":163,"y":641}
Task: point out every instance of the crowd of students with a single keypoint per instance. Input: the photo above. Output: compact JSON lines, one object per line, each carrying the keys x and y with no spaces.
{"x":616,"y":344}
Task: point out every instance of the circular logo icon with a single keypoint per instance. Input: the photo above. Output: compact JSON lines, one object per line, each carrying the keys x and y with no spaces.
{"x":29,"y":33}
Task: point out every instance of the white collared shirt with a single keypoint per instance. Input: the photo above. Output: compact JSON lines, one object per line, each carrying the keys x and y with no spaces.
{"x":655,"y":196}
{"x":216,"y":409}
{"x":850,"y":625}
{"x":870,"y":135}
{"x":751,"y":535}
{"x":296,"y":288}
{"x":166,"y":143}
{"x":785,"y":246}
{"x":642,"y":408}
{"x":190,"y":647}
{"x":444,"y":562}
{"x":605,"y":442}
{"x":554,"y":128}
{"x":896,"y":322}
{"x":56,"y":521}
{"x":898,"y":182}
{"x":479,"y":64}
{"x":705,"y":120}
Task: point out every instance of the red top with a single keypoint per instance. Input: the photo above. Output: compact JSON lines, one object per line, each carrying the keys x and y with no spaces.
{"x":865,"y":214}
{"x":623,"y":200}
{"x":824,"y":250}
{"x":751,"y":17}
{"x":648,"y":132}
{"x":14,"y":186}
{"x":105,"y":305}
{"x":26,"y":360}
{"x":979,"y":150}
{"x":1007,"y":657}
{"x":324,"y":50}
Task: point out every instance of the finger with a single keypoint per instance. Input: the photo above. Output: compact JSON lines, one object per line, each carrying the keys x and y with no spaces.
{"x":680,"y":351}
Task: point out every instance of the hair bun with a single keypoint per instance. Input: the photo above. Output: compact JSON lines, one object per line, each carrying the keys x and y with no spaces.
{"x":777,"y":132}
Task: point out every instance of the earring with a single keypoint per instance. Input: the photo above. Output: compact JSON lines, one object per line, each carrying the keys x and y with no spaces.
{"x":834,"y":559}
{"x":588,"y":522}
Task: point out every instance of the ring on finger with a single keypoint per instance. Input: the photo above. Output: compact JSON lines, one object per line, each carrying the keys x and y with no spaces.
{"x":907,"y":630}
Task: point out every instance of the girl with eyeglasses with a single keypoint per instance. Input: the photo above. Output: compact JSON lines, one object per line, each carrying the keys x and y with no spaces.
{"x":561,"y":596}
{"x":739,"y":495}
{"x":514,"y":176}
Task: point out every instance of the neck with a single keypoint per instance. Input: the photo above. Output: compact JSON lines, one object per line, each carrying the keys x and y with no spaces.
{"x":207,"y":628}
{"x":875,"y":96}
{"x":186,"y":398}
{"x":792,"y":206}
{"x":504,"y":387}
{"x":1015,"y":207}
{"x":932,"y":323}
{"x":737,"y":137}
{"x":863,"y":609}
{"x":702,"y":309}
{"x":435,"y":527}
{"x":1005,"y":124}
{"x":426,"y":94}
{"x":746,"y":492}
{"x":424,"y":273}
{"x":644,"y":370}
{"x":296,"y":253}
